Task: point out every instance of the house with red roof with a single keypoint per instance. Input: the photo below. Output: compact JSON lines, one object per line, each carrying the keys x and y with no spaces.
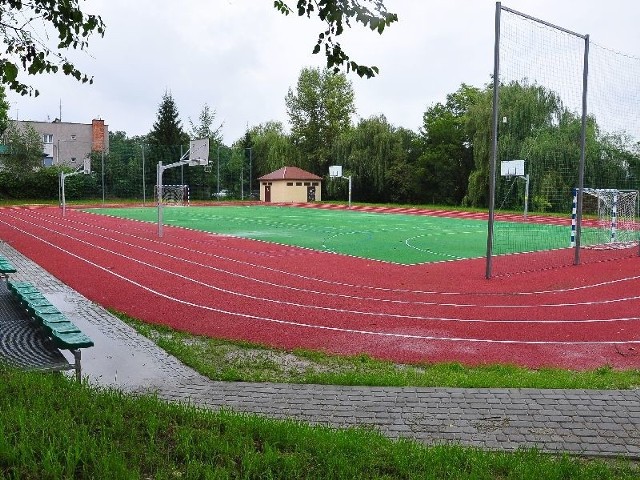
{"x":290,"y":184}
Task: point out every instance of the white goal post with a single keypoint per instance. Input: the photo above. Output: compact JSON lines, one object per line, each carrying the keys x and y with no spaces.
{"x":175,"y":195}
{"x":611,"y":215}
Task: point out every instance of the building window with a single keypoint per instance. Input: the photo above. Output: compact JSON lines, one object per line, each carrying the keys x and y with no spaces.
{"x":307,"y":184}
{"x":47,"y":138}
{"x":289,"y":184}
{"x":315,"y":184}
{"x":298,"y":184}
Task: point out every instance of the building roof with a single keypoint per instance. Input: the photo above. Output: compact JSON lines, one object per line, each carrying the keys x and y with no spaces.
{"x":290,"y":173}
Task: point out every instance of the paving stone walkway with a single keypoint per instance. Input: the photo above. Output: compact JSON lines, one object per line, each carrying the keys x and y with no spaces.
{"x":584,"y":422}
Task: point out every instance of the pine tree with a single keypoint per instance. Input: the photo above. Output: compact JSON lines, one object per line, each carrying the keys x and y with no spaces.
{"x":167,"y":129}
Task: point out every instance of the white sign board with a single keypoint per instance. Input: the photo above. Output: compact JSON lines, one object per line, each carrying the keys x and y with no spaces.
{"x":335,"y":171}
{"x":512,"y":168}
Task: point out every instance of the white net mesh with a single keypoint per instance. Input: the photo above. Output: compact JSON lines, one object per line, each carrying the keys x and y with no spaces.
{"x":177,"y":195}
{"x":610,"y":218}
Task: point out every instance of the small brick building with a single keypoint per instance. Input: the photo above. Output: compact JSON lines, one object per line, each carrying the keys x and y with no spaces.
{"x":290,"y":184}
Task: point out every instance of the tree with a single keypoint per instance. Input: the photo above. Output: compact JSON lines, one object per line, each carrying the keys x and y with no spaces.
{"x":24,"y":24}
{"x":167,"y":129}
{"x":527,"y":109}
{"x":336,"y":14}
{"x":167,"y":139}
{"x":448,"y":157}
{"x":271,"y":148}
{"x":204,"y":128}
{"x":24,"y":150}
{"x":25,"y":50}
{"x":381,"y":159}
{"x":319,"y":110}
{"x":4,"y":110}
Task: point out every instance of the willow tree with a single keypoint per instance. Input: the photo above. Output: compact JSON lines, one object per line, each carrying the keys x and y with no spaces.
{"x":525,"y":110}
{"x":271,"y":148}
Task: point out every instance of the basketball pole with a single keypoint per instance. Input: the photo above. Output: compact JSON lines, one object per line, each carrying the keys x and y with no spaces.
{"x":63,"y":176}
{"x":190,"y":157}
{"x":159,"y":171}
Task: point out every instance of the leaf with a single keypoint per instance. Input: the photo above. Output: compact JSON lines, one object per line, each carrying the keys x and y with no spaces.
{"x":10,"y":71}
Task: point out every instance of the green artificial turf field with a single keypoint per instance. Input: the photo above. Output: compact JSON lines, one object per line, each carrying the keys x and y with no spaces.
{"x":399,"y":238}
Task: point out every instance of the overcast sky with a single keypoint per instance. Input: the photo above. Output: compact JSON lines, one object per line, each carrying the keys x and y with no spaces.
{"x":241,"y":56}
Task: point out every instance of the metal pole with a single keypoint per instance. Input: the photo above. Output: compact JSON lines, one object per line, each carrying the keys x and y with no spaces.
{"x":144,"y":186}
{"x":218,"y":174}
{"x":526,"y":195}
{"x":159,"y":188}
{"x":64,"y":212}
{"x":103,"y":175}
{"x":250,"y":159}
{"x":349,"y":191}
{"x":494,"y":142}
{"x":583,"y":142}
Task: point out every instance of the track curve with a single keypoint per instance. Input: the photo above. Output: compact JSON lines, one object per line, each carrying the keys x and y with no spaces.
{"x":573,"y":317}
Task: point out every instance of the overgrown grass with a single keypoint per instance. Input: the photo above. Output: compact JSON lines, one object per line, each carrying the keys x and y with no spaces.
{"x":55,"y":428}
{"x":241,"y":361}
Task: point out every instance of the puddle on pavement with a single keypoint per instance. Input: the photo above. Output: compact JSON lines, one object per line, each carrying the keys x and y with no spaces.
{"x":112,"y":361}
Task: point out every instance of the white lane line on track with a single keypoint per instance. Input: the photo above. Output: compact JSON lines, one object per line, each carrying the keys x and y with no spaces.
{"x":368,"y":287}
{"x":352,"y":297}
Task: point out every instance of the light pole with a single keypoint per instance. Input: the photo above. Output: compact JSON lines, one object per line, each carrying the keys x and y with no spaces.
{"x":144,"y":186}
{"x":102,"y":175}
{"x":218,"y":174}
{"x":250,"y":155}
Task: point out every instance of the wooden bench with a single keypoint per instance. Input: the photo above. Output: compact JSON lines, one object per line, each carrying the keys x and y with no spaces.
{"x":64,"y":334}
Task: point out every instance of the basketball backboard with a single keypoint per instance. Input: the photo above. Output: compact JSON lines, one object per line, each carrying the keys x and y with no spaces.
{"x":512,"y":168}
{"x":199,"y":151}
{"x":335,"y":171}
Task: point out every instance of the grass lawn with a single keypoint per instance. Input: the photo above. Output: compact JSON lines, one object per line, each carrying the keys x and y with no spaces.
{"x":55,"y":428}
{"x":240,"y":361}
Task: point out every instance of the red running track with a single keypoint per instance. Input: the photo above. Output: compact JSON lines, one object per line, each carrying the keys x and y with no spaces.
{"x":576,"y":317}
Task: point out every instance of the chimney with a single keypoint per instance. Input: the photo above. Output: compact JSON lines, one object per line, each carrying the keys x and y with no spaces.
{"x":97,"y":135}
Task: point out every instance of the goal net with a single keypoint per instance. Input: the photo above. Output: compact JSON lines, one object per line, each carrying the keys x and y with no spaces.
{"x":610,"y":218}
{"x":175,"y":195}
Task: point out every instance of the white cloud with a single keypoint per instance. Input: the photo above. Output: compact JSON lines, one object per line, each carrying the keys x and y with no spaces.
{"x":241,"y":56}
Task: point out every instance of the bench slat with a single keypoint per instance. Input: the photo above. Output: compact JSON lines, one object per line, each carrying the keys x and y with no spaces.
{"x":64,"y":333}
{"x":6,"y":266}
{"x":71,"y":340}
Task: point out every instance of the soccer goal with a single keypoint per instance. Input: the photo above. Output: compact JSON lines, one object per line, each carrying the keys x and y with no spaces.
{"x":610,"y":218}
{"x":173,"y":195}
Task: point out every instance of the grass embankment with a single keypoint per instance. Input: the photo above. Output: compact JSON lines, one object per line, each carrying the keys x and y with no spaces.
{"x":55,"y":428}
{"x":239,"y":361}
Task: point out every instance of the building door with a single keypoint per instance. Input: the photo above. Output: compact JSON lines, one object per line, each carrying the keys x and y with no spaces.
{"x":267,"y":193}
{"x":311,"y":194}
